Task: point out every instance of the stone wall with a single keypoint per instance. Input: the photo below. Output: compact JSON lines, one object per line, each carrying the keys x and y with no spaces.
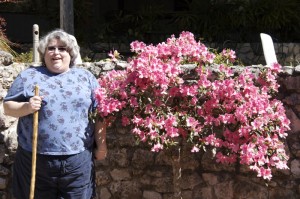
{"x":133,"y":172}
{"x":288,"y":54}
{"x":251,"y":53}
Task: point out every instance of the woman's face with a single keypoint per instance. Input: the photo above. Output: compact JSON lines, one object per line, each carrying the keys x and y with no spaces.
{"x":57,"y":58}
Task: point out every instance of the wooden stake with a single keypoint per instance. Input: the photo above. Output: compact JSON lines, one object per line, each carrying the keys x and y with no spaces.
{"x":34,"y":147}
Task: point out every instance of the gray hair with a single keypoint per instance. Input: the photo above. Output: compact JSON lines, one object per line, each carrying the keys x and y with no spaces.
{"x":65,"y":38}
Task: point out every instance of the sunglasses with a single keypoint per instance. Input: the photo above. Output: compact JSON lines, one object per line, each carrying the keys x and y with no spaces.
{"x":60,"y":49}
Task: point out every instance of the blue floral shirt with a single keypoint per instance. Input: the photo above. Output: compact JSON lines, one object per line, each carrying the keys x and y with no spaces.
{"x":64,"y":126}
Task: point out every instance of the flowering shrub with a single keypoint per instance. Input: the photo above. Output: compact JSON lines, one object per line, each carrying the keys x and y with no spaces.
{"x":235,"y":114}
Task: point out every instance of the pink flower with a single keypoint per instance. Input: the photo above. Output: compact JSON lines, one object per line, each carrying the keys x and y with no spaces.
{"x":170,"y":121}
{"x":189,"y":90}
{"x":265,"y":173}
{"x":229,"y":54}
{"x":276,"y":67}
{"x":137,"y":46}
{"x":153,"y":134}
{"x":172,"y":132}
{"x":191,"y":122}
{"x":157,"y":147}
{"x":140,"y":134}
{"x":149,"y":109}
{"x":133,"y":101}
{"x":114,"y":55}
{"x":137,"y":120}
{"x":125,"y":121}
{"x":195,"y":149}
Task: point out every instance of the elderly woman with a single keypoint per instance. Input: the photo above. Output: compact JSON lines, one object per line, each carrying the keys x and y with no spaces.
{"x":66,"y":132}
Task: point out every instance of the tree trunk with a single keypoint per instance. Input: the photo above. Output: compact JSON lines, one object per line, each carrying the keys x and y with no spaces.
{"x":67,"y":16}
{"x":176,"y":159}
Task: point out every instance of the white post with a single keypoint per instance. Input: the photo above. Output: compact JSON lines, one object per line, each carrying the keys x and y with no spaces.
{"x":36,"y":56}
{"x":268,"y":48}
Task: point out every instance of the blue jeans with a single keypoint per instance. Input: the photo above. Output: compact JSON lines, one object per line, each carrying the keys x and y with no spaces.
{"x":57,"y":177}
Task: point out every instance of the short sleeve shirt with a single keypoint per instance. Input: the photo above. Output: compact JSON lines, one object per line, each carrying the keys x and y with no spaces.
{"x":64,"y":126}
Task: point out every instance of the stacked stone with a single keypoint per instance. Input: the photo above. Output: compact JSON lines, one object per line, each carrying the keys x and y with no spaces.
{"x":132,"y":171}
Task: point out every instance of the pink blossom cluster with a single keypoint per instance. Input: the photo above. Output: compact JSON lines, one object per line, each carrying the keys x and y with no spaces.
{"x":236,"y":114}
{"x":229,"y":54}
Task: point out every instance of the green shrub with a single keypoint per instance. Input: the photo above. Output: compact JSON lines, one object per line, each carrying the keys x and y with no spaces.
{"x":26,"y":57}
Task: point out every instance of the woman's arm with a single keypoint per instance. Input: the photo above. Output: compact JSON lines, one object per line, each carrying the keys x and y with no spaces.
{"x":20,"y":109}
{"x":100,"y":139}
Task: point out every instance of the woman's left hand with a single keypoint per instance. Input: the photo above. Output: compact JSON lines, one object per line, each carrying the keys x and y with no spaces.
{"x":100,"y":153}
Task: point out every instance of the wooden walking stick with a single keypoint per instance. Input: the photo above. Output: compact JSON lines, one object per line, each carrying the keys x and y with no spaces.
{"x":34,"y":147}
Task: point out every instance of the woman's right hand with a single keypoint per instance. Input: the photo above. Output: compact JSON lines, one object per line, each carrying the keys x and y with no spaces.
{"x":20,"y":109}
{"x":35,"y":103}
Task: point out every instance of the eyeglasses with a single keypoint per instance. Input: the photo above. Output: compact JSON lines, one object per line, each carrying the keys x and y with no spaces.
{"x":60,"y":48}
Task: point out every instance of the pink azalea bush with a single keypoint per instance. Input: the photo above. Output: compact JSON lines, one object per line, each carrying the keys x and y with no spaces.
{"x":235,"y":114}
